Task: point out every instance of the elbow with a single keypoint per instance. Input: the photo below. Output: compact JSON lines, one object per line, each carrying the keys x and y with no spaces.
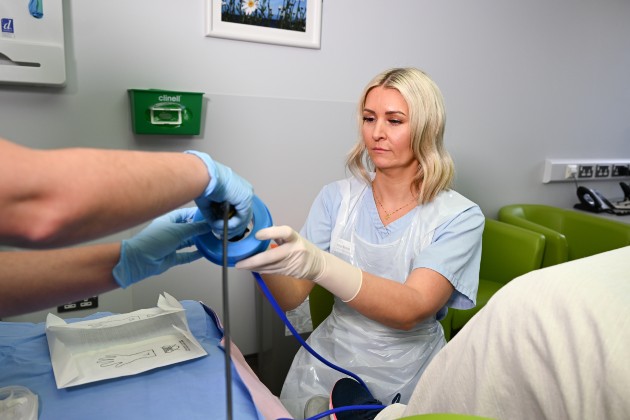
{"x":289,"y":303}
{"x":44,"y":230}
{"x":406,"y":326}
{"x":289,"y":306}
{"x":407,"y":323}
{"x":42,"y":237}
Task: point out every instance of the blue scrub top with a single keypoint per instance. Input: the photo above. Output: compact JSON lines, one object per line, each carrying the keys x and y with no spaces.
{"x":454,"y":252}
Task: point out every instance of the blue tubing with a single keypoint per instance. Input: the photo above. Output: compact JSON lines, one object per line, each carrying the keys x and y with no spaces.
{"x":286,"y":321}
{"x":340,"y":409}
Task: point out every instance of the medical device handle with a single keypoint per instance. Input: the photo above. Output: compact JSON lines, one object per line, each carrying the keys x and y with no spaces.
{"x":227,"y":342}
{"x":227,"y":253}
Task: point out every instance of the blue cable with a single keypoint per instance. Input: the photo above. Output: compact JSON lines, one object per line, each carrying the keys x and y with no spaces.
{"x":340,"y":409}
{"x":286,"y":321}
{"x":284,"y":318}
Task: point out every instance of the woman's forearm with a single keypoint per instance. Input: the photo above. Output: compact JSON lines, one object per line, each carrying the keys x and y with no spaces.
{"x":289,"y":292}
{"x":422,"y":295}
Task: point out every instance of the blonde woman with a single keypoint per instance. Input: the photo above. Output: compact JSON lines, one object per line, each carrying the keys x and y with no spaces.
{"x":393,"y":243}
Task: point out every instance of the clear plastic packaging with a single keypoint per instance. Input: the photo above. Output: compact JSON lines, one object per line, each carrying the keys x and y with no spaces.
{"x":18,"y":403}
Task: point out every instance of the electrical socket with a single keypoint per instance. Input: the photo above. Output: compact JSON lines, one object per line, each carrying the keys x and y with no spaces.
{"x":620,"y":170}
{"x":89,"y":303}
{"x":569,"y":170}
{"x":585,"y":171}
{"x":602,"y":171}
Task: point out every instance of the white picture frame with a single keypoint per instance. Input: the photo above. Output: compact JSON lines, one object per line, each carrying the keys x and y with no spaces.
{"x":263,"y":21}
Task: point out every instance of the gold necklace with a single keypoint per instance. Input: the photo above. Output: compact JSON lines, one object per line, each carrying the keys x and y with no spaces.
{"x":387,"y":213}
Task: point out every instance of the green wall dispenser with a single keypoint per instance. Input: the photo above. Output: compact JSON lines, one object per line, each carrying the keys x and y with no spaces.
{"x":155,"y":111}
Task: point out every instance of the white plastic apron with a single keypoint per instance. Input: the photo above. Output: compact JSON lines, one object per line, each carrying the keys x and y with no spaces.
{"x":388,"y":360}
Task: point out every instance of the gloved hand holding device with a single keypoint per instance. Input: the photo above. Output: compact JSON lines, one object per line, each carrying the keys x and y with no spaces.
{"x":225,"y":186}
{"x":297,"y":257}
{"x":154,"y":249}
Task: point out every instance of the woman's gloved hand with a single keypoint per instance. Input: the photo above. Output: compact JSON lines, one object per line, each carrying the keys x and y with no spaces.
{"x":297,"y":257}
{"x":154,"y":249}
{"x":225,"y":185}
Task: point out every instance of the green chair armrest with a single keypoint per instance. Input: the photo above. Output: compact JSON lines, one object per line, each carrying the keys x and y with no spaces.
{"x":570,"y":234}
{"x":588,"y":234}
{"x":507,"y":252}
{"x":556,"y":245}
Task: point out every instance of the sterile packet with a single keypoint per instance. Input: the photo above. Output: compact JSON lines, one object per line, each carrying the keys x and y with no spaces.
{"x":120,"y":345}
{"x":18,"y":403}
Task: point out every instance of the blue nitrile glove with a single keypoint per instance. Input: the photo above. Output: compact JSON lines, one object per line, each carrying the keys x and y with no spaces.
{"x":154,"y":249}
{"x":225,"y":185}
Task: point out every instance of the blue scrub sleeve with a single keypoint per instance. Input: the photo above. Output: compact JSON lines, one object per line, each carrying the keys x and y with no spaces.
{"x":455,"y":252}
{"x":322,"y":217}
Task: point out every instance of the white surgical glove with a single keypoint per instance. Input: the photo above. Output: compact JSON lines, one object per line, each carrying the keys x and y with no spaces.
{"x":296,"y":257}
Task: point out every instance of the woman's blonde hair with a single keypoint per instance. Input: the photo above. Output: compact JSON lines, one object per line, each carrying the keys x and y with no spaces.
{"x":427,"y":118}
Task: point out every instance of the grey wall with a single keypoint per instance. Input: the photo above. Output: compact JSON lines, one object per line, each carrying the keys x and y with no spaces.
{"x":523,"y":81}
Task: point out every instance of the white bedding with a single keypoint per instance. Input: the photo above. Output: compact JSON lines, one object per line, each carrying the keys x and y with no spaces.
{"x":552,"y":344}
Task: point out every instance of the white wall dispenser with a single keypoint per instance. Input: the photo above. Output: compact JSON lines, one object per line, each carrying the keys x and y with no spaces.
{"x":32,"y":42}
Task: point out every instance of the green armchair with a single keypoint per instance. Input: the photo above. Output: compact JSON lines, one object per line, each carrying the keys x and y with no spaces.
{"x":507,"y":252}
{"x":569,"y":234}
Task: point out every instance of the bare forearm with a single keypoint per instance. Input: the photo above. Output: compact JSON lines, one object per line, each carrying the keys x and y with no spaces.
{"x":66,"y":196}
{"x":402,"y":306}
{"x":34,"y":280}
{"x":289,"y":292}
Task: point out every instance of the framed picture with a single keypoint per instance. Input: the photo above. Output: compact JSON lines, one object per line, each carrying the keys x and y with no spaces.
{"x":295,"y":23}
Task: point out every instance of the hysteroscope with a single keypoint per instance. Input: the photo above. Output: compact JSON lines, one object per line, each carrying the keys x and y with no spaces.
{"x":227,"y":253}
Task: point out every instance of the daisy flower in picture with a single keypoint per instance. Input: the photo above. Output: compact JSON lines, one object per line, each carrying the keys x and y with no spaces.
{"x":249,"y":6}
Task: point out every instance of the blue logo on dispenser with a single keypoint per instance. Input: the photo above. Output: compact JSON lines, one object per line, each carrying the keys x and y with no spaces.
{"x":7,"y":25}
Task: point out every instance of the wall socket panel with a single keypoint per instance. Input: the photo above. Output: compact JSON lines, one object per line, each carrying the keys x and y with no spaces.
{"x":89,"y":303}
{"x":569,"y":170}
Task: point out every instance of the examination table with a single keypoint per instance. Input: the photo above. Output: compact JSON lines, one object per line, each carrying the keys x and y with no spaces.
{"x":190,"y":390}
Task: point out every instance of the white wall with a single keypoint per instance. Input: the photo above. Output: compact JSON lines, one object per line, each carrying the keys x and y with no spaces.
{"x":522,"y":81}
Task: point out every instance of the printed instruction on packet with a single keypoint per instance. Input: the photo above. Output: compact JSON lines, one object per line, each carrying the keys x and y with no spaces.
{"x":120,"y":345}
